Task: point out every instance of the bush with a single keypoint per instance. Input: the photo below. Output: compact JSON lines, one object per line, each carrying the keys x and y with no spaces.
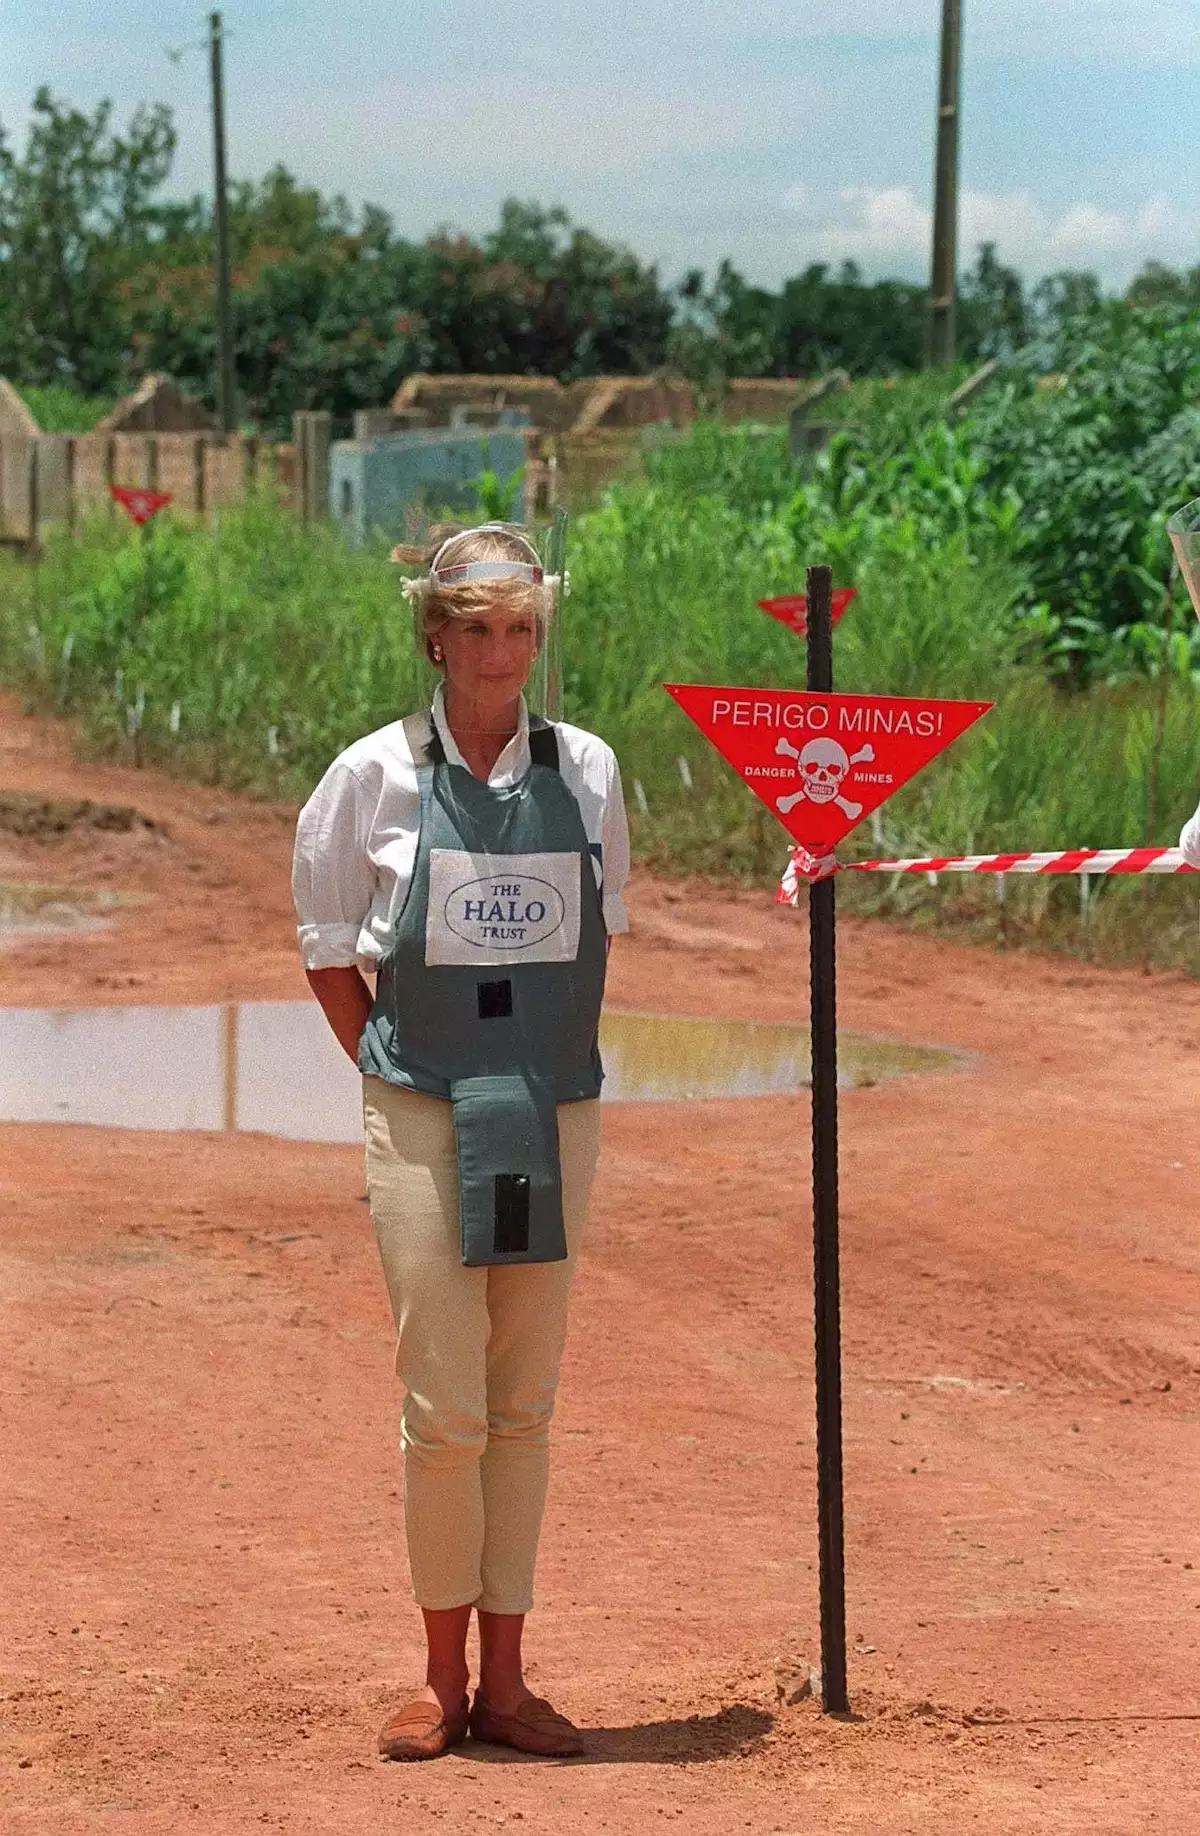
{"x":60,"y":410}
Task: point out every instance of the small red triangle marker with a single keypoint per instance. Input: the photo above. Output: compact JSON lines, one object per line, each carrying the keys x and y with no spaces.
{"x":822,"y":763}
{"x":791,"y":609}
{"x":140,"y":505}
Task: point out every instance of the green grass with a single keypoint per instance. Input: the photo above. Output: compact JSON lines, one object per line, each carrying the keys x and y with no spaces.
{"x":249,"y":656}
{"x":253,"y":659}
{"x":60,"y":410}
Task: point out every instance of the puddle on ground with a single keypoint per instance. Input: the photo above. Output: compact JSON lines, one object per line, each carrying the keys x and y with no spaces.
{"x":658,"y":1058}
{"x":30,"y":910}
{"x":273,"y":1067}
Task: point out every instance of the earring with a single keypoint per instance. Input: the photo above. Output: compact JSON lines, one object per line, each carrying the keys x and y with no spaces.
{"x":437,"y":653}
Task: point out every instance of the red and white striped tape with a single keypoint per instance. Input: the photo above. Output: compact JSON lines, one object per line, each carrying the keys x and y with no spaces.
{"x":813,"y":867}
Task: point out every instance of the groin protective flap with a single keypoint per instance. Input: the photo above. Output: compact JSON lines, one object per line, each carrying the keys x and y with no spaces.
{"x":510,"y":1179}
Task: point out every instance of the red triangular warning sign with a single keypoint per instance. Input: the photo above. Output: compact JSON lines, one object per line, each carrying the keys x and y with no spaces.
{"x":821,"y":763}
{"x":140,"y":504}
{"x":791,"y":609}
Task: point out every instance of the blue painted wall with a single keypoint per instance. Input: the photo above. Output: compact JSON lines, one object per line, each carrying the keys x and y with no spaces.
{"x":375,"y":484}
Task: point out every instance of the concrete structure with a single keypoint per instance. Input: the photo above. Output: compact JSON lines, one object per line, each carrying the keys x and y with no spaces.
{"x":812,"y":419}
{"x":975,"y":385}
{"x":157,"y":405}
{"x":587,"y":432}
{"x":312,"y":437}
{"x":155,"y":437}
{"x":551,"y":406}
{"x":18,"y":433}
{"x":572,"y":439}
{"x":387,"y":483}
{"x":596,"y":405}
{"x":63,"y":477}
{"x":16,"y":416}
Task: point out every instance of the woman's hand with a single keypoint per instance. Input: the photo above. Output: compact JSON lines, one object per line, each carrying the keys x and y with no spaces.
{"x":346,"y":1002}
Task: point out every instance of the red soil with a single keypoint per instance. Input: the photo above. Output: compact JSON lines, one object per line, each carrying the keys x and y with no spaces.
{"x":204,"y":1610}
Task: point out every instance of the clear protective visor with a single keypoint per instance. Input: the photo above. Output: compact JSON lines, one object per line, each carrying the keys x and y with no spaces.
{"x":1184,"y":531}
{"x":544,"y":693}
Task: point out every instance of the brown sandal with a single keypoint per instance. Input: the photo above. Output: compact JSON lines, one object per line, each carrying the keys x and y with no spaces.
{"x":421,"y":1730}
{"x":534,"y":1728}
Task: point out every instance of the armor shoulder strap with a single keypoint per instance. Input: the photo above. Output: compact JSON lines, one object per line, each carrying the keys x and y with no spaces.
{"x":423,"y":741}
{"x":427,"y":749}
{"x":543,"y":744}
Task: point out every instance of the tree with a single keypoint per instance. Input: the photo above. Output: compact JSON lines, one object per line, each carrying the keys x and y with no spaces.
{"x":817,"y":322}
{"x":1158,"y":285}
{"x":76,"y":217}
{"x":728,"y":330}
{"x":570,"y":304}
{"x":334,"y":310}
{"x":993,"y":317}
{"x":869,"y":329}
{"x":100,"y":279}
{"x":1058,"y":298}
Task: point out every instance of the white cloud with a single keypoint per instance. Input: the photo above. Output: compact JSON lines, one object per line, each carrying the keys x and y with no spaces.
{"x":1084,"y":234}
{"x":1086,"y":228}
{"x":890,"y":227}
{"x":875,"y":225}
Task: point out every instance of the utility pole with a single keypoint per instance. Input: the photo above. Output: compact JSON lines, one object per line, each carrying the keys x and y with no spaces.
{"x":226,"y":404}
{"x":944,"y":280}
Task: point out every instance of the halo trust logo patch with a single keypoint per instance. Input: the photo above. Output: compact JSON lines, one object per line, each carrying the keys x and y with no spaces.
{"x":507,"y":914}
{"x":502,"y":908}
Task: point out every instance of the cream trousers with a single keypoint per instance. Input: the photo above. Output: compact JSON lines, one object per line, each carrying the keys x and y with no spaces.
{"x":477,"y":1350}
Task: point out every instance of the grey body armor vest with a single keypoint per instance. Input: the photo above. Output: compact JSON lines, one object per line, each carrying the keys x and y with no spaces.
{"x":490,"y":994}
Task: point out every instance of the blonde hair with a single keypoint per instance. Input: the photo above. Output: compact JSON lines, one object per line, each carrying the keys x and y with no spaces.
{"x":452,"y":545}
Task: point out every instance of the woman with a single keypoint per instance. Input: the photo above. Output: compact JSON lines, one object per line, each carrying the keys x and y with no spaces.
{"x":1189,"y":841}
{"x":475,"y":859}
{"x":1184,"y":530}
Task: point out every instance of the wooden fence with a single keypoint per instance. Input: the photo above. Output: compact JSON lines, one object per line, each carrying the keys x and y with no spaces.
{"x":60,"y":478}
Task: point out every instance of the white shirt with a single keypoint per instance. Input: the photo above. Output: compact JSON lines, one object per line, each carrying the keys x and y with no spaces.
{"x":1189,"y":841}
{"x":356,"y":838}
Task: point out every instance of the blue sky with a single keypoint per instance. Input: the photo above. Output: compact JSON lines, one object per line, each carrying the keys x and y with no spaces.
{"x":777,"y":132}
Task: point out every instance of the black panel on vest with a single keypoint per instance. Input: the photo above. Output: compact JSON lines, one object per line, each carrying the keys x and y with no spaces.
{"x":495,"y":1000}
{"x":543,"y":746}
{"x":512,"y":1214}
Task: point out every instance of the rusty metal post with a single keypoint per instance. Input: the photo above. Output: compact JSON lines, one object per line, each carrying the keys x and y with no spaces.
{"x":826,"y":1278}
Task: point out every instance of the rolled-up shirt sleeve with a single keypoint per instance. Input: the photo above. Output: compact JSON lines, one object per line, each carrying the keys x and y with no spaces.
{"x":333,"y":876}
{"x":1189,"y":841}
{"x":615,"y":840}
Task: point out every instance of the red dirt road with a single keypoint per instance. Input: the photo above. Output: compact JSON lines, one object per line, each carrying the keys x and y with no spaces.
{"x":204,"y":1610}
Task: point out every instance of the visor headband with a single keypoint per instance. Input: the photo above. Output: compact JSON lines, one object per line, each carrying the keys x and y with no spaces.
{"x":489,"y":570}
{"x":463,"y":572}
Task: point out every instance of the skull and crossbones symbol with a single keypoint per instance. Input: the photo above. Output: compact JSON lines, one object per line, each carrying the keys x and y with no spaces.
{"x":823,"y":766}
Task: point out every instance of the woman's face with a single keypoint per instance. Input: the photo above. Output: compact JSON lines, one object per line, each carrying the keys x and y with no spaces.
{"x":487,"y":657}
